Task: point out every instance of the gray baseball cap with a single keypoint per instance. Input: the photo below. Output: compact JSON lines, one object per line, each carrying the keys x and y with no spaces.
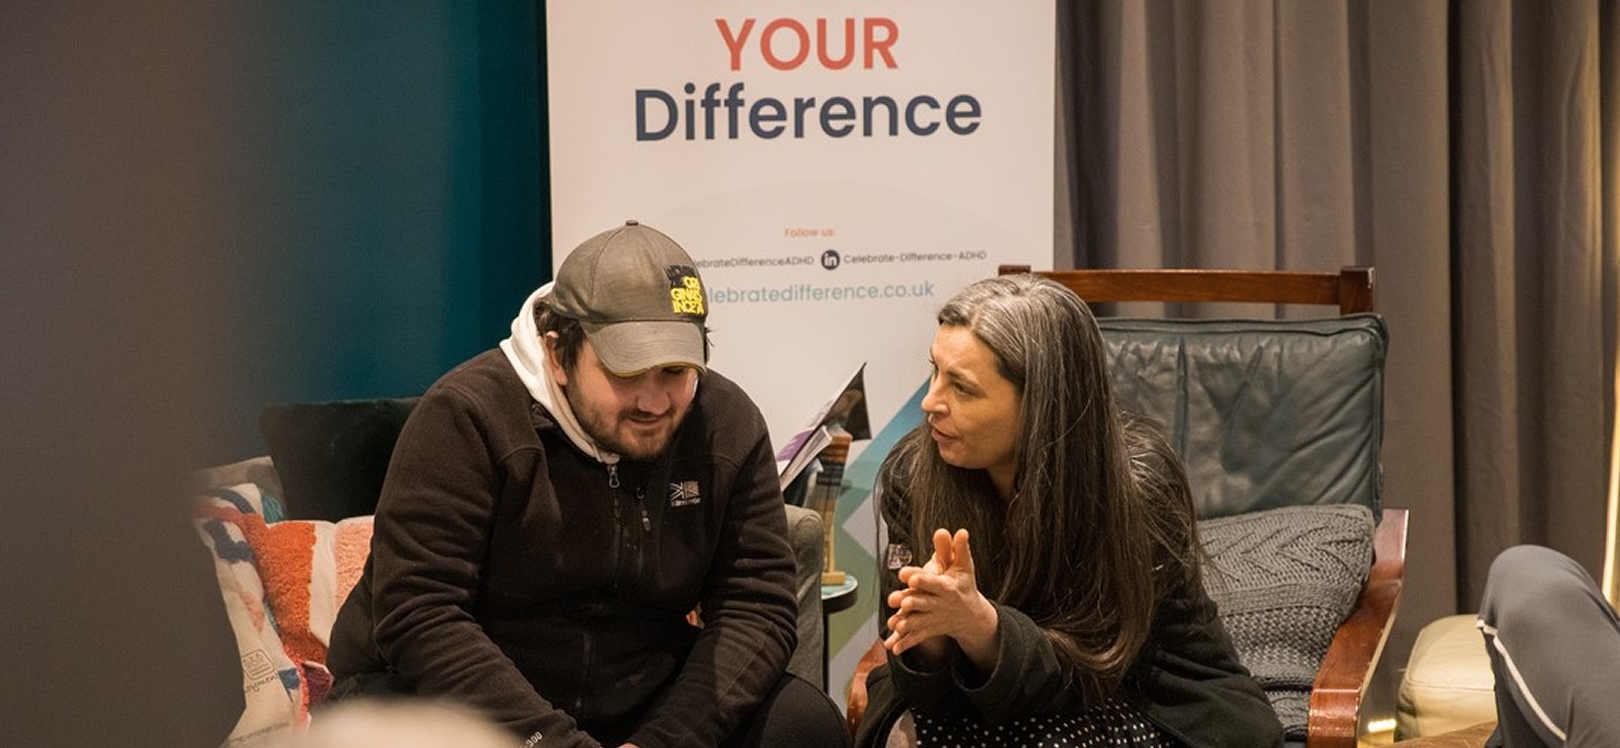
{"x":638,"y":296}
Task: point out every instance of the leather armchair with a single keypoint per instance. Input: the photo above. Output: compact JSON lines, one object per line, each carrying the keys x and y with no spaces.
{"x":1266,"y":414}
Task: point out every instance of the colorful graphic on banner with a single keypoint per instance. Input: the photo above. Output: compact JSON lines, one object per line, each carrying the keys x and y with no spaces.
{"x":836,"y":169}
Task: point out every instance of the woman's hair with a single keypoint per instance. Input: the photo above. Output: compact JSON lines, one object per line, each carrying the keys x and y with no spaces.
{"x":1076,"y":547}
{"x":1161,"y":477}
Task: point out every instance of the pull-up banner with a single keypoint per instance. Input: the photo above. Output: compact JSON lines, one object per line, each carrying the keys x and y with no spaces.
{"x":837,"y":169}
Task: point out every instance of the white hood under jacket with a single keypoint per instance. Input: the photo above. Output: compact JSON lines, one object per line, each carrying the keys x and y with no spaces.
{"x":528,"y":358}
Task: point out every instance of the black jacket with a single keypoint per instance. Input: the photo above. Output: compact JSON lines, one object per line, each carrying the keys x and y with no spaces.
{"x":514,"y":573}
{"x":1187,"y":679}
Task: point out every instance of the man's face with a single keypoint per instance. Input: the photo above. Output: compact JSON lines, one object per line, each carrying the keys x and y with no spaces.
{"x":635,"y":416}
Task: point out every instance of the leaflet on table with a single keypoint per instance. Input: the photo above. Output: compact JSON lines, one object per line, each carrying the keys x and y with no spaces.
{"x":845,"y":410}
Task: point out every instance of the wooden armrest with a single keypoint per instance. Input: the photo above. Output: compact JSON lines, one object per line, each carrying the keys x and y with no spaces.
{"x":1353,"y":654}
{"x":855,"y":708}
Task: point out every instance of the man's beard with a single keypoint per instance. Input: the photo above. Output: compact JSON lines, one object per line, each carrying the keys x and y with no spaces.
{"x":598,"y":425}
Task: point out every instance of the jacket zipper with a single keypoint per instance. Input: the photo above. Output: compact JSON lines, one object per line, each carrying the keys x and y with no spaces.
{"x":646,"y":535}
{"x":618,"y":531}
{"x":618,"y":522}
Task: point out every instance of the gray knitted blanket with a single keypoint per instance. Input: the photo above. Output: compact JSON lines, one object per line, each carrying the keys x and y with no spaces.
{"x":1283,"y":580}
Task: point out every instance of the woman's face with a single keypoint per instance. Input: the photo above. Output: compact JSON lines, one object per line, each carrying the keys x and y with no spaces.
{"x":973,"y":410}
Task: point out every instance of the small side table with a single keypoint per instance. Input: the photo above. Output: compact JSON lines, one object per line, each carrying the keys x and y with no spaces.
{"x":834,"y":597}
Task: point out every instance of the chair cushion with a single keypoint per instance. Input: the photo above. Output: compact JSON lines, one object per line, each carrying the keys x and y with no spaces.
{"x":332,"y":456}
{"x":1283,"y":580}
{"x":283,"y":583}
{"x":1266,"y":413}
{"x":273,"y":684}
{"x":1448,"y":682}
{"x":308,"y":568}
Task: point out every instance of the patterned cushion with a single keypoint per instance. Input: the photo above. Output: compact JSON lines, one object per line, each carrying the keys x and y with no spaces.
{"x":257,"y":471}
{"x":1284,"y":579}
{"x":295,"y":561}
{"x":283,"y":583}
{"x":308,"y":567}
{"x":272,"y":683}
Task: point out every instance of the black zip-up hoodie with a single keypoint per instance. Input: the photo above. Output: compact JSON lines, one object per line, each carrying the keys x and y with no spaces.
{"x":1188,"y":679}
{"x":511,"y":571}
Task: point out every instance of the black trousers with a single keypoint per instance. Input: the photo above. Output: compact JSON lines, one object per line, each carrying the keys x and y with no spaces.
{"x":794,"y":715}
{"x":1554,"y":644}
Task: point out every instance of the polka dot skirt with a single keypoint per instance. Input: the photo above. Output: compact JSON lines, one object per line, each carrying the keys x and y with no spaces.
{"x":1112,"y":724}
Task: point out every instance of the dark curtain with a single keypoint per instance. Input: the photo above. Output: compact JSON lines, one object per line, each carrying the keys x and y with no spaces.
{"x":1534,"y":301}
{"x":1468,"y":150}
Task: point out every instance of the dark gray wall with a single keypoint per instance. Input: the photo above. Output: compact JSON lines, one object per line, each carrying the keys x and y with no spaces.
{"x":205,"y":207}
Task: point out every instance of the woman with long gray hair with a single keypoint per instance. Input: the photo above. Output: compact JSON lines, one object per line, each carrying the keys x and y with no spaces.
{"x":1041,"y":585}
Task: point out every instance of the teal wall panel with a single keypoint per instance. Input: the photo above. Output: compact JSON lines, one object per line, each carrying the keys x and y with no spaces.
{"x":390,"y":201}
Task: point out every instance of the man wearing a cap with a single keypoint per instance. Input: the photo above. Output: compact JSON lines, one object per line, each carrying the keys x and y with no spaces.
{"x":555,"y":508}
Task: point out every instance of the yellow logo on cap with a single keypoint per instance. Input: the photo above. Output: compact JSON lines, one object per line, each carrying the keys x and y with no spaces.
{"x":687,"y":298}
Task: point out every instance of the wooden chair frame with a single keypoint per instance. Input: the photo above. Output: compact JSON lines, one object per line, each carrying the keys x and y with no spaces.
{"x":1335,"y":715}
{"x":1350,"y":289}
